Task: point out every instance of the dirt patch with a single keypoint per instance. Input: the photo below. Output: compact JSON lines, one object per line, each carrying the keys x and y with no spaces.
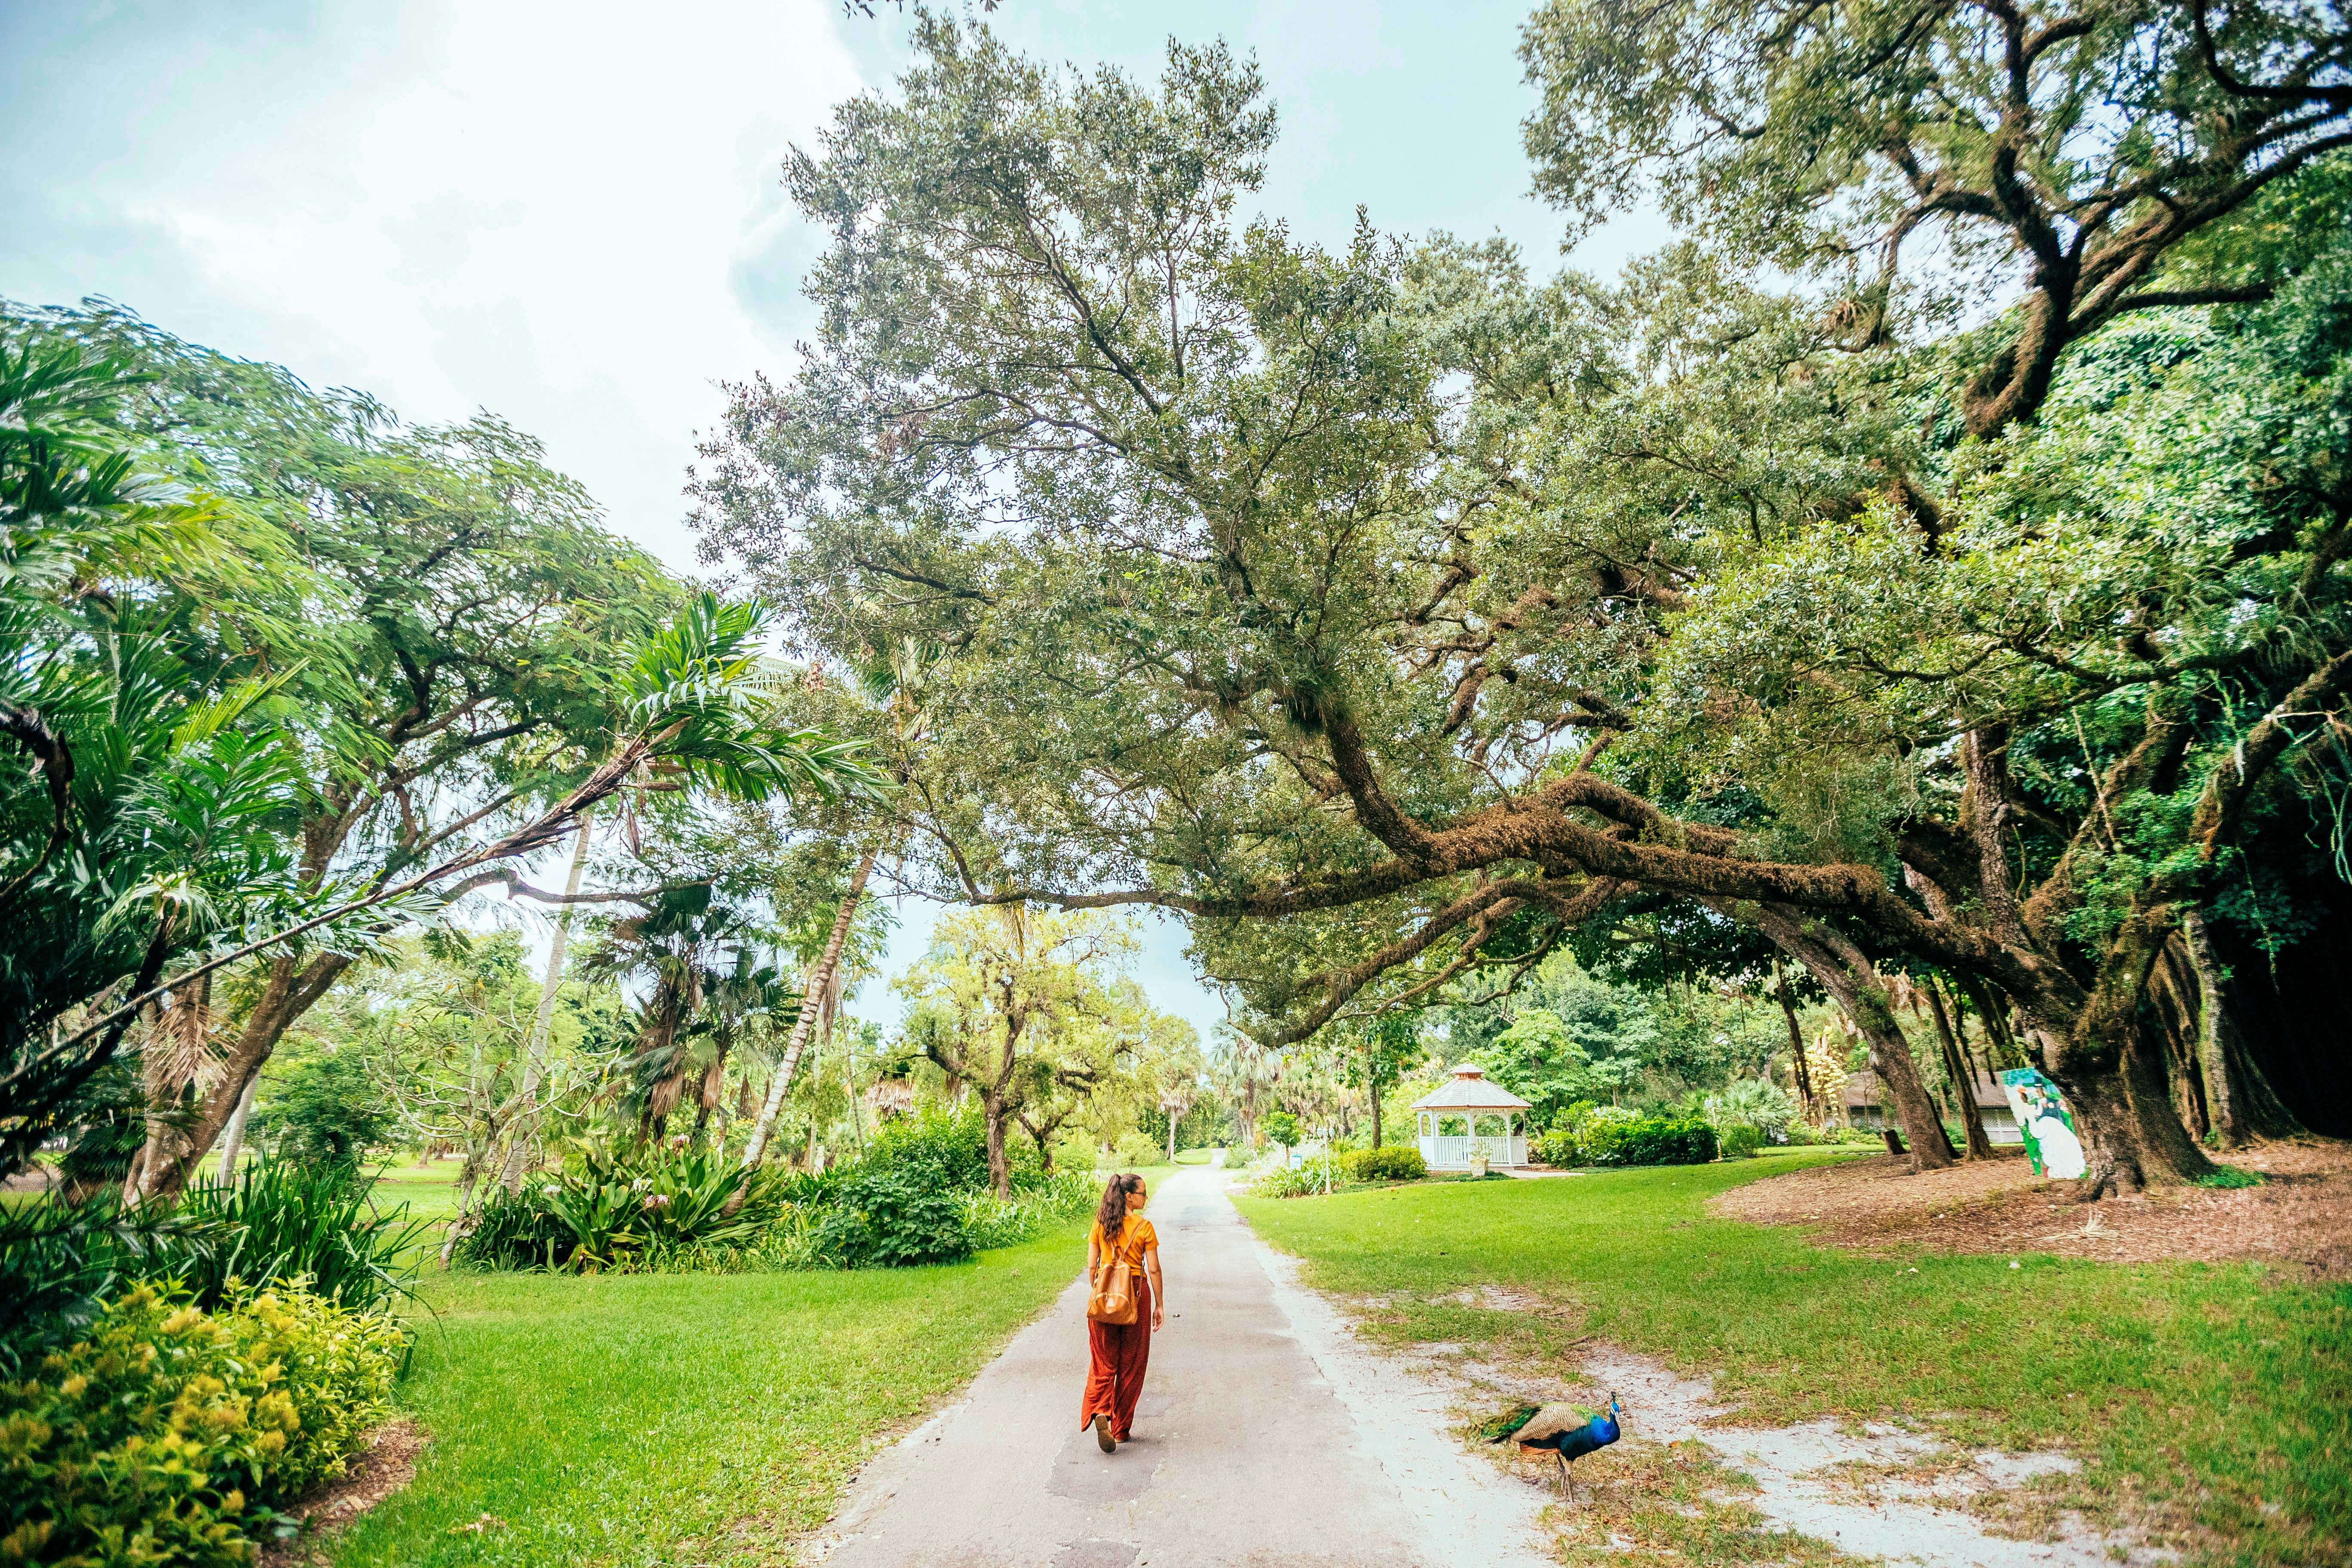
{"x":1684,"y":1485}
{"x":387,"y":1463}
{"x":2298,"y":1220}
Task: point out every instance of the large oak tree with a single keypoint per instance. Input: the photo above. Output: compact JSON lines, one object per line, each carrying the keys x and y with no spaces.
{"x":1391,"y":614}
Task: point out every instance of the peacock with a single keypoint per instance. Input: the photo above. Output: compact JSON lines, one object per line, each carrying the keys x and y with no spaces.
{"x":1561,"y":1429}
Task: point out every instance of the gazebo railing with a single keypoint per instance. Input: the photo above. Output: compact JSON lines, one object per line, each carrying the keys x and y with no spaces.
{"x":1454,"y":1151}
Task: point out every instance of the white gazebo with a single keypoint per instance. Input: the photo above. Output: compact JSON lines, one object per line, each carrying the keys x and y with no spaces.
{"x":1471,"y":1117}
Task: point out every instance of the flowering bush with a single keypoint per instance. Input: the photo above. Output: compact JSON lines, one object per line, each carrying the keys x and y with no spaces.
{"x":164,"y":1436}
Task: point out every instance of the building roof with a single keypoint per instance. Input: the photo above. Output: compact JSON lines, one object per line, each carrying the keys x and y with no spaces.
{"x":1862,"y":1088}
{"x":1470,"y":1091}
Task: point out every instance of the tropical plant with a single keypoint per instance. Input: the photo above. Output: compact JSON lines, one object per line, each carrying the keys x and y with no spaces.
{"x":279,"y":1222}
{"x":1309,"y":1178}
{"x":626,"y":1210}
{"x":59,"y":1263}
{"x":149,"y":822}
{"x":1754,"y":1102}
{"x":455,"y":648}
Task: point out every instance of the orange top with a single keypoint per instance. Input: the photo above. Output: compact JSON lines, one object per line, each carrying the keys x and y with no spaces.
{"x":1136,"y":1237}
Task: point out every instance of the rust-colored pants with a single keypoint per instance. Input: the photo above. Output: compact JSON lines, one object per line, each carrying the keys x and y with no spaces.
{"x":1118,"y":1354}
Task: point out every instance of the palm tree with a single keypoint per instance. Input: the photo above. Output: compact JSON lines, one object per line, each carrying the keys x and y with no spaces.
{"x":687,"y":948}
{"x":894,"y":683}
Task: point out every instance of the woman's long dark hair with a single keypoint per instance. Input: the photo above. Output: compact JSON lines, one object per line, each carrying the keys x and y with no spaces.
{"x":1113,"y":1213}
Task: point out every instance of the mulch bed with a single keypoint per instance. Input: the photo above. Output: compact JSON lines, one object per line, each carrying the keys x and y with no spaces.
{"x":2299,"y":1220}
{"x":387,"y":1463}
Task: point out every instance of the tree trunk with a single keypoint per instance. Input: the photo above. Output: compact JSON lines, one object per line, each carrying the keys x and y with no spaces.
{"x":1848,"y":975}
{"x":819,"y":982}
{"x":2173,"y":996}
{"x":1798,"y":1070}
{"x":461,"y":1224}
{"x":534,"y":1070}
{"x":714,"y":1080}
{"x":999,"y":1169}
{"x":290,"y":990}
{"x":1964,"y":1089}
{"x":2241,"y":1105}
{"x":2131,"y":1139}
{"x":1372,"y":1080}
{"x":232,"y":1142}
{"x":2114,"y":1078}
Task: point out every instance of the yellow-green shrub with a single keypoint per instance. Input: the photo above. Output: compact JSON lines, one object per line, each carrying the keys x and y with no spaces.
{"x":166,"y":1434}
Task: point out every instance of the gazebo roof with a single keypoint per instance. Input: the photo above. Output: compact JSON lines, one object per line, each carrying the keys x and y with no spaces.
{"x":1470,"y":1091}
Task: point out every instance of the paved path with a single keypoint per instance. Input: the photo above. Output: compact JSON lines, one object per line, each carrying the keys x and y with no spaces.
{"x":1266,"y":1437}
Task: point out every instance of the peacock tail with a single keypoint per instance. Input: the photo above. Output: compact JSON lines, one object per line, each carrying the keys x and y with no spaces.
{"x":1501,"y":1427}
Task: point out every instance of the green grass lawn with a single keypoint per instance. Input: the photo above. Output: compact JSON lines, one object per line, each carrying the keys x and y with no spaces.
{"x":675,"y":1418}
{"x":2196,"y":1395}
{"x":430,"y":1192}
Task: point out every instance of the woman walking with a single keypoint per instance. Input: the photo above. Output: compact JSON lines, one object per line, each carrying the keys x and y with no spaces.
{"x":1120,"y":1347}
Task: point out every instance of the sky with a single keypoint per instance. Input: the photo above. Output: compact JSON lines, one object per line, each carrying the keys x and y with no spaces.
{"x":571,"y":215}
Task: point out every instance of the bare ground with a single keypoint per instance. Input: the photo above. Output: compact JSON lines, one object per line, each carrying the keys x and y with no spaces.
{"x":1693,"y":1481}
{"x":2299,"y":1219}
{"x":386,"y":1465}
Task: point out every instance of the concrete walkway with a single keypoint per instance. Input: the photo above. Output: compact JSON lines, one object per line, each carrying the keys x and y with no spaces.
{"x":1264,"y":1438}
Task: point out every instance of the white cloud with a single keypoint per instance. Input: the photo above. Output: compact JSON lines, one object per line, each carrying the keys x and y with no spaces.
{"x":540,"y":208}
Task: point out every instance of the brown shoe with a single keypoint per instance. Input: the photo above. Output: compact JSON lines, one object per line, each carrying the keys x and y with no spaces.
{"x":1103,"y":1438}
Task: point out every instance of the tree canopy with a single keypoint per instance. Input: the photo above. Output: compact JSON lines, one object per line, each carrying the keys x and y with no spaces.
{"x":1395,"y":615}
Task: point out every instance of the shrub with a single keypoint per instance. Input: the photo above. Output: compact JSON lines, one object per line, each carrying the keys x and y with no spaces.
{"x":1648,"y":1141}
{"x":887,"y":1219}
{"x":940,"y":1149}
{"x":1560,"y":1144}
{"x":327,"y":1111}
{"x":1057,"y":1199}
{"x":1136,"y":1151}
{"x":517,"y":1230}
{"x":1281,"y":1126}
{"x":163,"y":1435}
{"x":1307,"y":1181}
{"x":1741,"y":1141}
{"x":1387,"y":1164}
{"x":284,"y":1221}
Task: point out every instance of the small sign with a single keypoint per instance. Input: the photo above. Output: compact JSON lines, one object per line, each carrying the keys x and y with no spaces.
{"x":2051,"y":1141}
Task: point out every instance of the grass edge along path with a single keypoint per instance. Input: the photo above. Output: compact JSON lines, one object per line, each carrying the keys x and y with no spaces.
{"x":2207,"y":1397}
{"x":676,"y":1418}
